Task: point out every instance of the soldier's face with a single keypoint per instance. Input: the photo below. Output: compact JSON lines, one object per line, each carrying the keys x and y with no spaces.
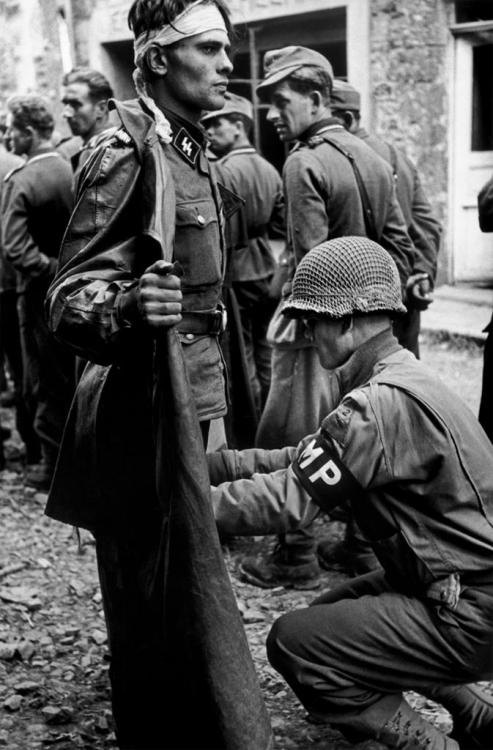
{"x":81,"y":113}
{"x":222,"y":134}
{"x":291,"y":113}
{"x":197,"y":73}
{"x":19,"y":139}
{"x":332,"y":338}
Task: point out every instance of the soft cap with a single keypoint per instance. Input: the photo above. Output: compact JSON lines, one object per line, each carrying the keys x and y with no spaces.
{"x":233,"y":105}
{"x":281,"y":63}
{"x":344,"y":276}
{"x":344,"y":96}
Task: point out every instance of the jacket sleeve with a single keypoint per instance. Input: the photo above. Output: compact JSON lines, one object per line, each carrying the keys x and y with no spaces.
{"x":485,"y":207}
{"x":277,"y":224}
{"x":395,"y":239}
{"x":425,"y":231}
{"x":18,"y":244}
{"x":234,"y":464}
{"x":91,"y":304}
{"x":307,"y":219}
{"x":264,"y":504}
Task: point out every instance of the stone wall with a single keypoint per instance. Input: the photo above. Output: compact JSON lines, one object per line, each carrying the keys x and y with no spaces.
{"x":409,"y":82}
{"x":30,"y":54}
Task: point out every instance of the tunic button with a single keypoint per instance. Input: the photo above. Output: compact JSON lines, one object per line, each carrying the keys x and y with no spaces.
{"x":189,"y":336}
{"x":201,"y":220}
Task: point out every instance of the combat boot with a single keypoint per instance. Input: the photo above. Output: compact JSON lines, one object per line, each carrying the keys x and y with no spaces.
{"x":472,"y":713}
{"x":286,"y":566}
{"x":407,"y":730}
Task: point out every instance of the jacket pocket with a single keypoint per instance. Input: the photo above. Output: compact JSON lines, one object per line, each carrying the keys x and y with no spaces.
{"x":198,"y":242}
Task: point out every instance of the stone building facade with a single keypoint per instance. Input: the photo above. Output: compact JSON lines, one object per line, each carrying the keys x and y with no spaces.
{"x":423,"y":68}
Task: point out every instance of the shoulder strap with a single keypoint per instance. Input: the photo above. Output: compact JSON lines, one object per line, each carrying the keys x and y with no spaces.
{"x":369,"y":218}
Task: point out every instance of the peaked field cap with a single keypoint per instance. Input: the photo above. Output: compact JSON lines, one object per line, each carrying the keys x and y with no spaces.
{"x":344,"y":96}
{"x":281,"y":63}
{"x":233,"y":105}
{"x":344,"y":276}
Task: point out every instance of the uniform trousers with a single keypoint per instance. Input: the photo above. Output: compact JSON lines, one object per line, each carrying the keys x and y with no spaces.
{"x":349,"y":656}
{"x":48,"y":373}
{"x":256,"y":310}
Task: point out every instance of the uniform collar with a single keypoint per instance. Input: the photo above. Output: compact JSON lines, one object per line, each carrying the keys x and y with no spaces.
{"x":322,"y":125}
{"x":361,"y":364}
{"x":187,"y":138}
{"x":239,"y":150}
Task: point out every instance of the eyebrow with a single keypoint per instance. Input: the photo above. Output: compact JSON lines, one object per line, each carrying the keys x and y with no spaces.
{"x":71,"y":100}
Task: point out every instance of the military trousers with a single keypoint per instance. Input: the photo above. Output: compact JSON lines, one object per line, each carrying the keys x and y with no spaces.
{"x":357,"y":647}
{"x":48,"y":373}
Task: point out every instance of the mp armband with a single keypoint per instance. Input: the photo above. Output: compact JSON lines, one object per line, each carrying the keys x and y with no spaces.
{"x":323,"y":475}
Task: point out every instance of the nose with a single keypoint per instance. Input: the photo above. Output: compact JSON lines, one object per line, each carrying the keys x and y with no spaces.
{"x":67,"y":111}
{"x":225,"y":62}
{"x":272,"y":113}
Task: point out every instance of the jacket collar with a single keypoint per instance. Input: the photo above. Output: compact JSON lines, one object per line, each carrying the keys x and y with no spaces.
{"x":361,"y":364}
{"x":317,"y":127}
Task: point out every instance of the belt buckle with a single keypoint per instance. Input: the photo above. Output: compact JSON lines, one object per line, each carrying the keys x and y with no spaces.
{"x":223,"y":317}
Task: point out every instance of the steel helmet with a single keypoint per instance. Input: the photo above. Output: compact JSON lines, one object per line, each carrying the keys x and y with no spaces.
{"x":344,"y":276}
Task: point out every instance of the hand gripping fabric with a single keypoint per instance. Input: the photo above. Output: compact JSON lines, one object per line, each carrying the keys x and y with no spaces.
{"x":344,"y":276}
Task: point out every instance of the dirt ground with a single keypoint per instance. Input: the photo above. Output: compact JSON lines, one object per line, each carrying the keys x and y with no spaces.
{"x":54,"y":690}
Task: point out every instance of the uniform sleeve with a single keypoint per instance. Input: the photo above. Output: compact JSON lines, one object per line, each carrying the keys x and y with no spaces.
{"x":395,"y":239}
{"x":425,"y":231}
{"x":91,"y":303}
{"x":485,"y":207}
{"x":277,"y":224}
{"x":234,"y":464}
{"x":306,"y":193}
{"x":264,"y":504}
{"x":18,"y":244}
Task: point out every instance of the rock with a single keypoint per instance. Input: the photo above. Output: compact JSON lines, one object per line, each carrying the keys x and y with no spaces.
{"x":57,"y":715}
{"x":13,"y":703}
{"x":24,"y":688}
{"x":7,"y":651}
{"x":25,"y":595}
{"x":4,"y":739}
{"x":252,"y":615}
{"x":98,"y":637}
{"x":25,"y":649}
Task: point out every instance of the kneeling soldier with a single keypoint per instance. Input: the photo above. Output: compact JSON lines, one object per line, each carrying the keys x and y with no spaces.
{"x":416,"y":467}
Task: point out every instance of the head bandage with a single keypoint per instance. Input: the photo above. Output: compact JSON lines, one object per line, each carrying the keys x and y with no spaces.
{"x":197,"y":18}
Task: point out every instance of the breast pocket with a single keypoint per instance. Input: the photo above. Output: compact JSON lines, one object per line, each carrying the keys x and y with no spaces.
{"x":198,"y":243}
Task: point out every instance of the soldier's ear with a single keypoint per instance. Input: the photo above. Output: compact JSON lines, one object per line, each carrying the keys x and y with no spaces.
{"x":156,"y":61}
{"x":316,"y":98}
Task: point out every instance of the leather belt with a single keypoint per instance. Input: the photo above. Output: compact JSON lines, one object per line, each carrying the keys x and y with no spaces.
{"x":203,"y":322}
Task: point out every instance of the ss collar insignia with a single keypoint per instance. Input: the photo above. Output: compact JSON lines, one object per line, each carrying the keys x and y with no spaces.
{"x":187,"y":146}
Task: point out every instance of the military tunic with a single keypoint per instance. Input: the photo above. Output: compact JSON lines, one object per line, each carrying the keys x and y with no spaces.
{"x":251,"y":265}
{"x":37,"y":200}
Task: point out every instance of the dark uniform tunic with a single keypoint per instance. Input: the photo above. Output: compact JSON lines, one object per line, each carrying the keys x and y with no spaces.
{"x":105,"y":479}
{"x":37,"y":202}
{"x":416,"y":466}
{"x":251,"y":267}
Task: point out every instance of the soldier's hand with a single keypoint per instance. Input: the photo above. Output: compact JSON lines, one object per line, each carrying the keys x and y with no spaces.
{"x":419,"y":291}
{"x":159,"y":295}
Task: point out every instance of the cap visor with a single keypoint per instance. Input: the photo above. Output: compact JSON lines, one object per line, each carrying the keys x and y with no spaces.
{"x":276,"y":77}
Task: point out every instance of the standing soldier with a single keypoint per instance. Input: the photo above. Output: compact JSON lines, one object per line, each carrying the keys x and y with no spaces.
{"x":37,"y":200}
{"x":113,"y":297}
{"x":247,"y":174}
{"x":423,"y":227}
{"x":334,"y":185}
{"x":85,"y":107}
